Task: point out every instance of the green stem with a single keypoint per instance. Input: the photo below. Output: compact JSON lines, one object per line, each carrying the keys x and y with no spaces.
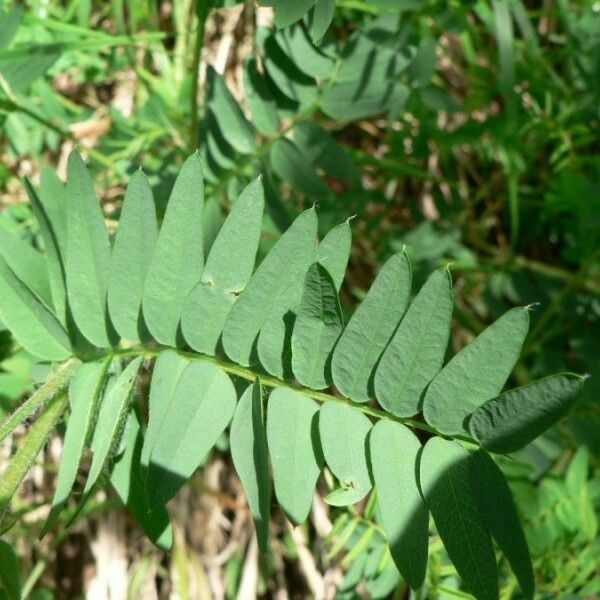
{"x":273,"y":382}
{"x":34,"y":442}
{"x":57,"y":383}
{"x":202,"y":9}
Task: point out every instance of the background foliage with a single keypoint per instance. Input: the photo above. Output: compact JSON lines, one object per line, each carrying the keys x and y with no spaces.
{"x":467,"y":131}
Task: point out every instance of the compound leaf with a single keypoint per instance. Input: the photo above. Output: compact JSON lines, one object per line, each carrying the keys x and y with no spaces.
{"x":88,"y":255}
{"x":248,"y":442}
{"x":131,"y":255}
{"x":344,"y":432}
{"x":226,"y":273}
{"x":394,"y":451}
{"x":295,"y":451}
{"x":176,"y":266}
{"x":370,"y":329}
{"x":476,"y":374}
{"x":513,"y":419}
{"x":498,"y":510}
{"x":200,"y":410}
{"x":416,"y":351}
{"x":446,"y":486}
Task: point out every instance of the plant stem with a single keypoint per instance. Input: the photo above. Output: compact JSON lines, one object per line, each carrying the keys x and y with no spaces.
{"x":273,"y":382}
{"x":202,"y":9}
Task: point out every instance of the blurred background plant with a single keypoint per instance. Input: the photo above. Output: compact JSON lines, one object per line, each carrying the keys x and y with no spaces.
{"x":468,"y":131}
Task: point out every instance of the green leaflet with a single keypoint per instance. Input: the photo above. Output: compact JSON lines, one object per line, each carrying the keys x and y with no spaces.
{"x":110,"y":423}
{"x":21,"y":66}
{"x":131,"y":255}
{"x":446,"y":486}
{"x":260,"y":99}
{"x":286,"y":261}
{"x":291,"y":165}
{"x":9,"y":24}
{"x":53,"y":194}
{"x":317,"y":327}
{"x":176,"y":266}
{"x":248,"y":442}
{"x":10,"y":579}
{"x":275,"y":335}
{"x":27,"y":264}
{"x":320,"y":19}
{"x":55,"y":384}
{"x":513,"y":419}
{"x":55,"y":254}
{"x":286,"y":76}
{"x":233,"y":124}
{"x":323,"y":152}
{"x":295,"y":450}
{"x":168,"y":368}
{"x":334,"y":251}
{"x":34,"y":326}
{"x":88,"y":255}
{"x":370,"y":329}
{"x":343,"y":431}
{"x":85,"y":389}
{"x":129,"y":481}
{"x":476,"y":374}
{"x":287,"y":12}
{"x":394,"y":451}
{"x":416,"y":352}
{"x":36,"y":438}
{"x":199,"y":412}
{"x":309,"y":59}
{"x":499,"y":512}
{"x":227,"y":271}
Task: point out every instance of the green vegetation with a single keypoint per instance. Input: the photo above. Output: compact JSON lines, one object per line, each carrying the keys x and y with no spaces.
{"x":362,"y":261}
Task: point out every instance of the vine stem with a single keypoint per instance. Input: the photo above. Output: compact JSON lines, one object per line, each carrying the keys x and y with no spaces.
{"x":202,"y":10}
{"x":273,"y":382}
